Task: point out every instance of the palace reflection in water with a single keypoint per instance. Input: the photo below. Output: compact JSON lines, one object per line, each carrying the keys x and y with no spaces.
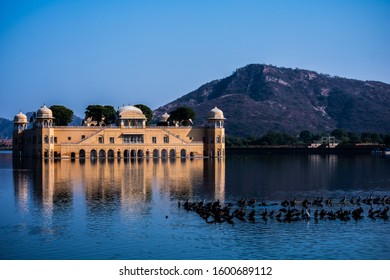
{"x":128,"y":209}
{"x":126,"y":184}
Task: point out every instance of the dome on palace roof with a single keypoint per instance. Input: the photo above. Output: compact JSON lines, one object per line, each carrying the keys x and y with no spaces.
{"x":20,"y":118}
{"x":44,"y":113}
{"x":164,"y":117}
{"x":130,"y":112}
{"x":215,"y":114}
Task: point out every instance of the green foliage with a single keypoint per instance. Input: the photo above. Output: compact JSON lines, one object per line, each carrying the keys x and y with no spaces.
{"x":275,"y":138}
{"x":99,"y":112}
{"x":183,"y":115}
{"x":147,"y":112}
{"x":62,"y":115}
{"x":339,"y":133}
{"x":232,"y":141}
{"x":306,"y":137}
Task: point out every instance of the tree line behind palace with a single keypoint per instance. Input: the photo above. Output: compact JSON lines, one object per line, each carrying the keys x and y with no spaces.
{"x":106,"y":114}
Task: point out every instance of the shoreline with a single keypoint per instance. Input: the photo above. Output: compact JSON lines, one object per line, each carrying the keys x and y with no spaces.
{"x":347,"y":150}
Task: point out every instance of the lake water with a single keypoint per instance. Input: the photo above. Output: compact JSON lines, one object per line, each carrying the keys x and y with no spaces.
{"x":129,"y":209}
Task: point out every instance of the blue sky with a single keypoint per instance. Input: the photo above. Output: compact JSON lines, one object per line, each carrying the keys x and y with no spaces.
{"x":77,"y":53}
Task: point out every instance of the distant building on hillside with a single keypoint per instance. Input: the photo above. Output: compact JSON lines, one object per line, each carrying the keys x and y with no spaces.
{"x":129,"y":137}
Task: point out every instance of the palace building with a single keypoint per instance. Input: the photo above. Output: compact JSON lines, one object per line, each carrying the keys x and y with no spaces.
{"x":129,"y":137}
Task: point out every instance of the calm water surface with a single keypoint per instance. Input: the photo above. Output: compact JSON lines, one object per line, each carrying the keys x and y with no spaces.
{"x":129,"y":209}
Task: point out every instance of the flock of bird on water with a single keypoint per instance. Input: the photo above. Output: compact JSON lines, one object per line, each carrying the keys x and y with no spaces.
{"x":355,"y":208}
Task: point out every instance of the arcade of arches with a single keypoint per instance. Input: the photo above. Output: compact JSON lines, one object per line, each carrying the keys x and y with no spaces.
{"x":131,"y":153}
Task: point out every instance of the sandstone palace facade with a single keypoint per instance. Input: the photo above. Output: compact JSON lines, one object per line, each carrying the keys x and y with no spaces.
{"x":129,"y":137}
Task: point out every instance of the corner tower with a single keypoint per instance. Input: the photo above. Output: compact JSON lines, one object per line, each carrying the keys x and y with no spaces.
{"x":44,"y":132}
{"x":216,"y":134}
{"x":20,"y":125}
{"x":44,"y":117}
{"x":20,"y":122}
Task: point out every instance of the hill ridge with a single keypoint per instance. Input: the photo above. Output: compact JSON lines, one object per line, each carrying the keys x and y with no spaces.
{"x":258,"y":98}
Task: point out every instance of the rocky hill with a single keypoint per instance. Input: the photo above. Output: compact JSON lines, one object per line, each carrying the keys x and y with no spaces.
{"x":261,"y":98}
{"x":6,"y":127}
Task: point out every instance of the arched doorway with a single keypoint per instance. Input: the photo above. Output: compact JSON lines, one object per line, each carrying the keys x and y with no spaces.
{"x":133,"y":153}
{"x":164,"y":153}
{"x":156,"y":154}
{"x":102,"y":153}
{"x":73,"y":155}
{"x":110,"y":154}
{"x":147,"y":154}
{"x":126,"y":153}
{"x":118,"y":153}
{"x":183,"y":153}
{"x":140,"y":153}
{"x":93,"y":154}
{"x":82,"y":153}
{"x":172,"y":153}
{"x":192,"y":155}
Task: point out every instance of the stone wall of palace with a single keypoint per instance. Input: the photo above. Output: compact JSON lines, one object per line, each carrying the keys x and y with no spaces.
{"x":129,"y":138}
{"x":75,"y":142}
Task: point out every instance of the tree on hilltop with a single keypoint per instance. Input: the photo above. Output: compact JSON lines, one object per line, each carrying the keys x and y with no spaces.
{"x":99,"y":113}
{"x":62,"y":115}
{"x":182,"y":115}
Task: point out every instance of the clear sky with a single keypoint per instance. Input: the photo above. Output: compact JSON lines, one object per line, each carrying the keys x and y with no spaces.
{"x":77,"y":53}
